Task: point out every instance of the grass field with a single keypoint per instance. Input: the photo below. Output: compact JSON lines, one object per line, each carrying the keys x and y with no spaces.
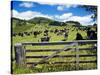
{"x":51,"y":67}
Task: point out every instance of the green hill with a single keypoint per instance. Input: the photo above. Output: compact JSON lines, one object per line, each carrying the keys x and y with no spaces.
{"x":19,"y":25}
{"x":39,"y":20}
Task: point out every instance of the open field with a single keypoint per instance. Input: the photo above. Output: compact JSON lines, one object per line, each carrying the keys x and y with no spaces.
{"x":51,"y":67}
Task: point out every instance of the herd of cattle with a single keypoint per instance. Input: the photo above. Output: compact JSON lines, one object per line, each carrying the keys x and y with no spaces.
{"x":91,"y":34}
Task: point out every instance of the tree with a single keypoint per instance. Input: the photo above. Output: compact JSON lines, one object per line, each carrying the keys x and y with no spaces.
{"x":21,"y":22}
{"x":92,"y":9}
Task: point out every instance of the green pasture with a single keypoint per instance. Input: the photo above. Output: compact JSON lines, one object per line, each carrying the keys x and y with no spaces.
{"x":51,"y":67}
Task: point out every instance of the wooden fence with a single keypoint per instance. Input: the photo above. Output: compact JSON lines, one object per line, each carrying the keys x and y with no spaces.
{"x":20,"y":52}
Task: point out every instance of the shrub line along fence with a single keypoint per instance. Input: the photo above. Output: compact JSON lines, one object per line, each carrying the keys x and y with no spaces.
{"x":20,"y":52}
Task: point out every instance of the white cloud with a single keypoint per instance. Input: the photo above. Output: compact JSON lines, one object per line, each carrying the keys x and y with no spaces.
{"x":14,"y":13}
{"x":85,"y":20}
{"x":47,"y":3}
{"x":26,"y":4}
{"x":28,"y":14}
{"x":70,"y":5}
{"x":60,"y":8}
{"x":67,"y":6}
{"x":63,"y":16}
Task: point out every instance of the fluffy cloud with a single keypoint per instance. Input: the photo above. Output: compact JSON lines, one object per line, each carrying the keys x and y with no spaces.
{"x":63,"y":7}
{"x":28,"y":14}
{"x":63,"y":16}
{"x":47,"y":3}
{"x":60,"y":8}
{"x":26,"y":4}
{"x":85,"y":20}
{"x":70,"y":5}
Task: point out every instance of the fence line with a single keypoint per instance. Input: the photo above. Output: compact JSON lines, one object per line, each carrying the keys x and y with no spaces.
{"x":53,"y":50}
{"x":60,"y":42}
{"x":56,"y":56}
{"x":20,"y":52}
{"x":52,"y":55}
{"x":63,"y":62}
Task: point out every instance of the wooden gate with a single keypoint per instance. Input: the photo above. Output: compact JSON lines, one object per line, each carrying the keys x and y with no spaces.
{"x":20,"y":52}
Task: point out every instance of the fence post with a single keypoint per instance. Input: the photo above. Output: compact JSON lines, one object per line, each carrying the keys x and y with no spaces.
{"x":95,"y":45}
{"x":77,"y":56}
{"x":19,"y":55}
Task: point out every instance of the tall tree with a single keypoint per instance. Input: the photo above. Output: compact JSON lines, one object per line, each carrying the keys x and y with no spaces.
{"x":92,"y":9}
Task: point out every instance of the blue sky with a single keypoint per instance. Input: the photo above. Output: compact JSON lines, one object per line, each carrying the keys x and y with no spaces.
{"x":60,"y":12}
